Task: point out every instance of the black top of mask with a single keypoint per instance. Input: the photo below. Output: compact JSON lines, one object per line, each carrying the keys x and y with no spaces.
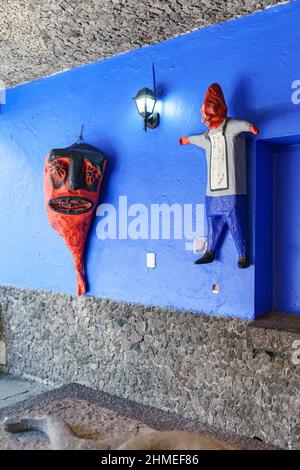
{"x":79,"y":150}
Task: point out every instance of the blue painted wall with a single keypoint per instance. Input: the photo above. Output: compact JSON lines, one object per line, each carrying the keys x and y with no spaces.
{"x":256,"y":59}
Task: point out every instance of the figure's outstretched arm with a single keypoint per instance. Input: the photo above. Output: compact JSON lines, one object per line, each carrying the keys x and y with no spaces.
{"x":198,"y":140}
{"x":238,"y":126}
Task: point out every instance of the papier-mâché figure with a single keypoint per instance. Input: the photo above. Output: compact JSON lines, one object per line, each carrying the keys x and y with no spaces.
{"x":226,"y":192}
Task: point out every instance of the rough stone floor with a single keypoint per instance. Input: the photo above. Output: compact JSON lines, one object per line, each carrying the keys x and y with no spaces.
{"x":15,"y":389}
{"x":90,"y":412}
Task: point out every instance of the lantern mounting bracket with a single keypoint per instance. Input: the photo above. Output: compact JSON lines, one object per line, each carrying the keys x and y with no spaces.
{"x":152,"y":121}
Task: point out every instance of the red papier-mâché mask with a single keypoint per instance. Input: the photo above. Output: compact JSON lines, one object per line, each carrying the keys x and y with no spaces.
{"x":72,"y":180}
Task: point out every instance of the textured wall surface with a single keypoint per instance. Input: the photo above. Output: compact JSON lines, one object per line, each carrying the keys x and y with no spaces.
{"x":40,"y":37}
{"x":150,"y":168}
{"x":212,"y":369}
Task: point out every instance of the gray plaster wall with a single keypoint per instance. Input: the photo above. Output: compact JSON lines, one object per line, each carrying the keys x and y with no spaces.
{"x":220,"y":371}
{"x":41,"y":37}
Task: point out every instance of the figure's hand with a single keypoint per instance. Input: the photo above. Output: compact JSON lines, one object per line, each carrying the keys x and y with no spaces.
{"x":184,"y":141}
{"x":253,"y":129}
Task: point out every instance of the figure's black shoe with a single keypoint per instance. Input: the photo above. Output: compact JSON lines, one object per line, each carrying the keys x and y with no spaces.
{"x":243,"y":262}
{"x":208,"y":257}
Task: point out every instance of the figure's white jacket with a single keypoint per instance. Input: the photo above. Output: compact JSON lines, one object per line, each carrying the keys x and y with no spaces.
{"x":226,"y":157}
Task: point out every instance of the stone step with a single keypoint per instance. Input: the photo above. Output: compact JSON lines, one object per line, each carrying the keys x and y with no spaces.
{"x":15,"y":389}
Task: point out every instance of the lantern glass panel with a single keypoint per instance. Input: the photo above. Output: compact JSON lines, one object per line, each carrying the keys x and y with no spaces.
{"x":145,"y":100}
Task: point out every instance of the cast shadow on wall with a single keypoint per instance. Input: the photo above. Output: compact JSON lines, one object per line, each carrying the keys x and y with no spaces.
{"x":241,"y":106}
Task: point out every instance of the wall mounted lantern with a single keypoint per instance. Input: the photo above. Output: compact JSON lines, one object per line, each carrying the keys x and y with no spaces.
{"x":145,"y":102}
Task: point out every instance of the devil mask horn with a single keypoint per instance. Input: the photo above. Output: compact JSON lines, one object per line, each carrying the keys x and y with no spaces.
{"x":72,"y":181}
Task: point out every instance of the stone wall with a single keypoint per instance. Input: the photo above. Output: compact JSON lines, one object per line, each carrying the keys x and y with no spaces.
{"x":219,"y":370}
{"x":41,"y":37}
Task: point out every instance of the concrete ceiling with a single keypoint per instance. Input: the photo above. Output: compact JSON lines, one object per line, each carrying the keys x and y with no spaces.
{"x":41,"y":37}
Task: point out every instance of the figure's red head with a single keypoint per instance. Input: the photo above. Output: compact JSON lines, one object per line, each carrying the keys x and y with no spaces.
{"x":214,"y":109}
{"x":72,"y":180}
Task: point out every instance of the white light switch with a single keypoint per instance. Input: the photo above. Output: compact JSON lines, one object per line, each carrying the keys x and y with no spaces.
{"x":151,"y":260}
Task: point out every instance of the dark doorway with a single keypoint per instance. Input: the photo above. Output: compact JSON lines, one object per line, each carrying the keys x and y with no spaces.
{"x":286,"y":228}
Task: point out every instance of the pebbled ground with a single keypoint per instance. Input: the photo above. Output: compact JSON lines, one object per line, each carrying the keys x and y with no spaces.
{"x":97,"y":415}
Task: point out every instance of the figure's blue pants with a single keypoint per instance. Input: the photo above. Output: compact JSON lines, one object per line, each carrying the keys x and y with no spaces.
{"x":231,"y":211}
